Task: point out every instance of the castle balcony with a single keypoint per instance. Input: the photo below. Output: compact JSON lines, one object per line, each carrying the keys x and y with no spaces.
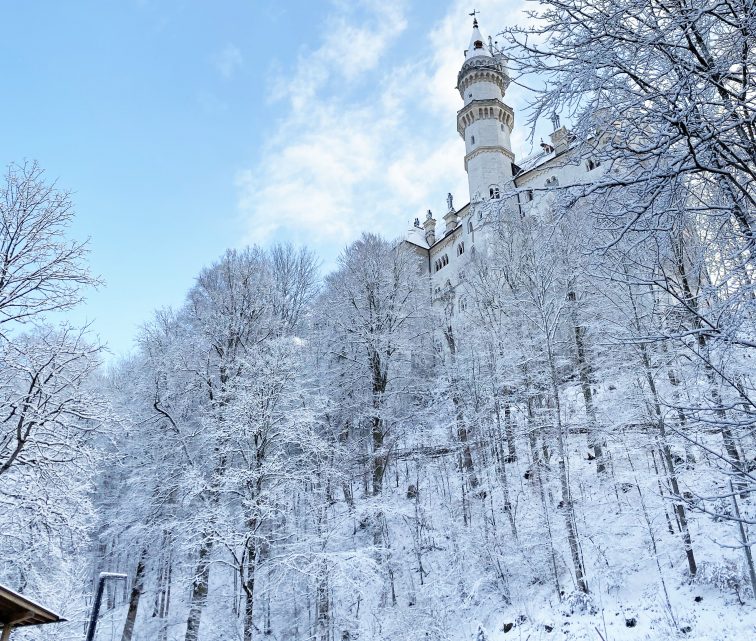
{"x":483,"y":109}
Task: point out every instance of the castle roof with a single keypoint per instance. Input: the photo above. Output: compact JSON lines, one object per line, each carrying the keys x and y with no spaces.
{"x":477,"y":46}
{"x":416,"y":236}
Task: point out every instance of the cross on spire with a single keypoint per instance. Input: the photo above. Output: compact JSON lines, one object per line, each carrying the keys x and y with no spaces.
{"x":474,"y":14}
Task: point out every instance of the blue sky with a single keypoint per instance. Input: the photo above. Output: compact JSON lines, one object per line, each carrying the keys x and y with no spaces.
{"x":185,"y":127}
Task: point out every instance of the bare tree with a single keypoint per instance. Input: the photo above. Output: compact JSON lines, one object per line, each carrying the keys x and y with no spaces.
{"x":41,"y":270}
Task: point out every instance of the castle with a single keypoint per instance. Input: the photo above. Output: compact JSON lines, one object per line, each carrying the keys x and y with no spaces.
{"x":485,"y":122}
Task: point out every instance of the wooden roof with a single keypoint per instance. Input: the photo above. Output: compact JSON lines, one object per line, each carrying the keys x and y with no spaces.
{"x":17,"y":610}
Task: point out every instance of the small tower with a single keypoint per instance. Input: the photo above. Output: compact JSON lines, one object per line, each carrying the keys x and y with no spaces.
{"x":485,"y":122}
{"x":429,"y":225}
{"x":560,"y":139}
{"x":450,"y":217}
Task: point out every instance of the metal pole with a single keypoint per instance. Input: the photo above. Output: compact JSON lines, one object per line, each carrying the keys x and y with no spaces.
{"x":104,"y":576}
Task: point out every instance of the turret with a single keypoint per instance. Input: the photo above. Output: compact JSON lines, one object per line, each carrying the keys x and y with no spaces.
{"x":450,"y":217}
{"x":429,"y":224}
{"x":485,"y":122}
{"x":560,"y":138}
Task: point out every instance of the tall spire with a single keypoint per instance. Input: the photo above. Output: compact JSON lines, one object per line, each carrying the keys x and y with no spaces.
{"x":476,"y":48}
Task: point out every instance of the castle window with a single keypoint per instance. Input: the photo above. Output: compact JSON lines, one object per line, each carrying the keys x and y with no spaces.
{"x":469,"y":227}
{"x":592,"y":163}
{"x":460,"y":249}
{"x":462,"y":304}
{"x":437,"y":265}
{"x":552,"y":182}
{"x":444,"y":260}
{"x":472,"y":140}
{"x":493,"y":191}
{"x":528,"y":195}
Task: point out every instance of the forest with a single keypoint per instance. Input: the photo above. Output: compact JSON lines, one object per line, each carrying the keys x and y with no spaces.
{"x":564,"y":446}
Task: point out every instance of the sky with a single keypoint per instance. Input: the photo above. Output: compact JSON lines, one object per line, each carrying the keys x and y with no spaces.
{"x":184,"y":127}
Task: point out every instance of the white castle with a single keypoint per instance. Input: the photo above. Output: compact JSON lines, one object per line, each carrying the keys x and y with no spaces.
{"x":485,"y":122}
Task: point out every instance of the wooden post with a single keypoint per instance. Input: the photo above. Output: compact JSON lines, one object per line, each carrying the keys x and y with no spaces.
{"x":7,"y":629}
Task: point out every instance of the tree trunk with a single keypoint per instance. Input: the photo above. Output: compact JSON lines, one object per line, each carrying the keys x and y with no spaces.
{"x":322,"y":605}
{"x":595,"y":441}
{"x":665,"y":450}
{"x":380,"y":381}
{"x":509,"y":427}
{"x":564,"y":480}
{"x":504,"y":476}
{"x":666,"y":453}
{"x":467,"y":459}
{"x":199,"y":591}
{"x":249,"y":591}
{"x":379,"y":460}
{"x":136,"y":593}
{"x":537,"y":474}
{"x":696,"y":321}
{"x":162,"y":602}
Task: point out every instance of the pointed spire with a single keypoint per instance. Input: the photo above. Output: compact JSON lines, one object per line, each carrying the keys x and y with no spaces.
{"x":476,"y":48}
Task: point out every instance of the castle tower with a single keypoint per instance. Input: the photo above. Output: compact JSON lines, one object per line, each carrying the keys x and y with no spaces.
{"x":485,"y":122}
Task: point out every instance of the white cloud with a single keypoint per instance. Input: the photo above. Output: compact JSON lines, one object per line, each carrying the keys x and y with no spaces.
{"x":336,"y":165}
{"x":348,"y":49}
{"x":228,"y":60}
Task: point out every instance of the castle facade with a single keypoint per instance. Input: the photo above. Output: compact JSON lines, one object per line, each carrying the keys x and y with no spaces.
{"x":485,"y":122}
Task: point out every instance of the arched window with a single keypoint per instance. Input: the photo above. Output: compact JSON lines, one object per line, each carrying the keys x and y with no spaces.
{"x":444,"y":260}
{"x":469,"y":227}
{"x":552,"y":182}
{"x":462,"y":304}
{"x":437,"y":265}
{"x":592,"y":163}
{"x":461,"y":248}
{"x":493,"y":191}
{"x":472,"y":140}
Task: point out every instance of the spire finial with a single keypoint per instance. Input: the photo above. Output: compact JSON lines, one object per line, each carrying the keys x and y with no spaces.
{"x":474,"y":15}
